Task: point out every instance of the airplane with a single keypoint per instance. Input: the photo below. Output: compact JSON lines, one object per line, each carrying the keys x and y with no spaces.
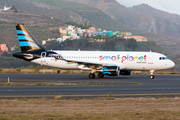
{"x":111,"y":63}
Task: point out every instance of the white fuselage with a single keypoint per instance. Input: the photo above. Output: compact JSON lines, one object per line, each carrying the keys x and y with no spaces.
{"x":124,"y":60}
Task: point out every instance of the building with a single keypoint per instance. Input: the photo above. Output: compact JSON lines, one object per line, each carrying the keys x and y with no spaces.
{"x":137,"y":38}
{"x":65,"y":37}
{"x":116,"y":33}
{"x":43,"y":42}
{"x":128,"y":34}
{"x":70,"y":28}
{"x":63,"y":31}
{"x":6,"y":9}
{"x":110,"y":33}
{"x":92,"y":28}
{"x":80,"y":31}
{"x":13,"y":48}
{"x":1,"y":52}
{"x":60,"y":40}
{"x":104,"y":33}
{"x":3,"y":47}
{"x":97,"y":40}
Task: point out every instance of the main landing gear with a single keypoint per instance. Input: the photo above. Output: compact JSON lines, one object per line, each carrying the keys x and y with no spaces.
{"x":100,"y":75}
{"x":92,"y":75}
{"x":152,"y":72}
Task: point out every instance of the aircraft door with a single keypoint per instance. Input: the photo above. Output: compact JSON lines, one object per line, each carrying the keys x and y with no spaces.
{"x":150,"y":59}
{"x":43,"y":58}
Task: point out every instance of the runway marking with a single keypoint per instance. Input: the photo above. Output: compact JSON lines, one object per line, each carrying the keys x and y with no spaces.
{"x":90,"y":95}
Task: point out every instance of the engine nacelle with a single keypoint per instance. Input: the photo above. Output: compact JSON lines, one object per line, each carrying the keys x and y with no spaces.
{"x":125,"y":72}
{"x":111,"y":70}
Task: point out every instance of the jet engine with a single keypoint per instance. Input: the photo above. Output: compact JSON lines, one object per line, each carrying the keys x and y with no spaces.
{"x":111,"y":70}
{"x":125,"y":72}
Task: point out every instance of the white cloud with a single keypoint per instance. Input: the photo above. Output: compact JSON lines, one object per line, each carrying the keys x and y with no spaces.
{"x":171,"y":6}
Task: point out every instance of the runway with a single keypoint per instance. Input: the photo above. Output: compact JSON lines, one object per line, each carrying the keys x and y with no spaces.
{"x":162,"y":85}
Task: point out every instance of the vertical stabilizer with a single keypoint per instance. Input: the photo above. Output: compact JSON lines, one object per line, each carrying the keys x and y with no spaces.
{"x":27,"y":41}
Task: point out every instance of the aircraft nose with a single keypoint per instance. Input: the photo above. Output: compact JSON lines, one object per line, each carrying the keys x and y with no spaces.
{"x":171,"y":64}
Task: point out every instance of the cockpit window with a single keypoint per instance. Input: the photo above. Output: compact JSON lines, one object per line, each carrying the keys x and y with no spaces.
{"x":163,"y":58}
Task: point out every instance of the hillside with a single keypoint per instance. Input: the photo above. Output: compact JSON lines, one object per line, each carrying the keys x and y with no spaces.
{"x":148,"y":10}
{"x":63,"y":10}
{"x":128,"y":17}
{"x":43,"y":9}
{"x":41,"y":26}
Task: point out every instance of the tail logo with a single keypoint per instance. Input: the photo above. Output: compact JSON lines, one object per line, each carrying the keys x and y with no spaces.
{"x":26,"y":40}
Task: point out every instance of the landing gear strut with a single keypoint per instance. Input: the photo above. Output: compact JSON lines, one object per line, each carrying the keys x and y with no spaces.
{"x":91,"y":75}
{"x":152,"y":72}
{"x":100,"y":75}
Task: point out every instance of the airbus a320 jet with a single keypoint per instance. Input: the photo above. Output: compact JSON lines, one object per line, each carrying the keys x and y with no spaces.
{"x":112,"y":63}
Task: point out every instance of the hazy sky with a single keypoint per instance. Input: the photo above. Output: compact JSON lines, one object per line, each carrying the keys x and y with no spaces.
{"x":171,"y":6}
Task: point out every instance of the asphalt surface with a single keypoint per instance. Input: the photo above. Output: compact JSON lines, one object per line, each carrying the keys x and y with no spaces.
{"x":162,"y":85}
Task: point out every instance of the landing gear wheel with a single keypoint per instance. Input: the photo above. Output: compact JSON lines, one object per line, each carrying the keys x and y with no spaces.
{"x":152,"y":72}
{"x":91,"y":75}
{"x":100,"y":75}
{"x":152,"y":77}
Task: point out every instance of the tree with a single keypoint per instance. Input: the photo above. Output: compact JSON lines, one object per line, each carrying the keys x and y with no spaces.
{"x":109,"y":45}
{"x":131,"y":44}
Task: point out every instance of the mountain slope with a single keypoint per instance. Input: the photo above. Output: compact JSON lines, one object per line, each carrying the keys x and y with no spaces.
{"x":62,"y":10}
{"x":134,"y":19}
{"x":43,"y":9}
{"x":94,"y":16}
{"x":148,"y":10}
{"x":42,"y":27}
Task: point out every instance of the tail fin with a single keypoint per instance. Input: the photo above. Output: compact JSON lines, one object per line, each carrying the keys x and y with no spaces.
{"x":27,"y":41}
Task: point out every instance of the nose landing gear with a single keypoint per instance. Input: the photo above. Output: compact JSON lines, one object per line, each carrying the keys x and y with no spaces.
{"x":152,"y":74}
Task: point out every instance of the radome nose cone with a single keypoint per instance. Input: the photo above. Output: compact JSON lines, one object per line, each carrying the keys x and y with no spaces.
{"x":172,"y":64}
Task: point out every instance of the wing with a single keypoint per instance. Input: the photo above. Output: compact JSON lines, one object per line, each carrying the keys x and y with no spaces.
{"x":88,"y":63}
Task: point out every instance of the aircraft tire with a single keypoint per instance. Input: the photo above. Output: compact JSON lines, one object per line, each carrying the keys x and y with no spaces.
{"x":91,"y":75}
{"x":152,"y":76}
{"x":100,"y":75}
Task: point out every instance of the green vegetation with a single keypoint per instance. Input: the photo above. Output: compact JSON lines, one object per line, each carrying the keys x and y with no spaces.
{"x":137,"y":83}
{"x":77,"y":25}
{"x":110,"y":44}
{"x":58,"y":71}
